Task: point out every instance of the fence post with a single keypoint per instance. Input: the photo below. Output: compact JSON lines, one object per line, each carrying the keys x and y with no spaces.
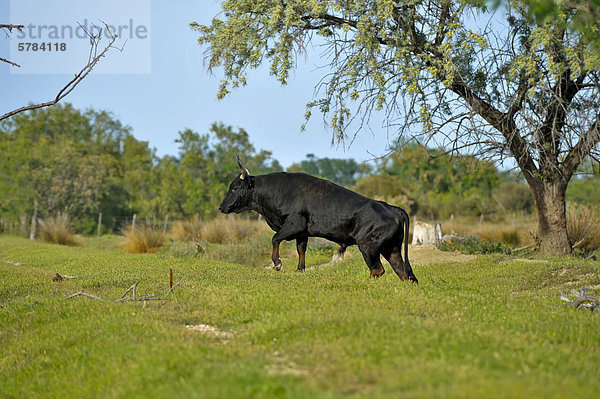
{"x":133,"y":222}
{"x":99,"y":223}
{"x":165,"y":226}
{"x":34,"y":220}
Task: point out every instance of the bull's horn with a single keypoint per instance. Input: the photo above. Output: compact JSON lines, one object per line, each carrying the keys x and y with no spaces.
{"x":242,"y":168}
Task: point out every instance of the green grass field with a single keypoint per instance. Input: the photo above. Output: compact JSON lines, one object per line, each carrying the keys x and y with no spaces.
{"x":491,"y":327}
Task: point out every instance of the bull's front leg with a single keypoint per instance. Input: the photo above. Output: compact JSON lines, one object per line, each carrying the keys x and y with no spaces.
{"x":275,"y":255}
{"x":294,"y":226}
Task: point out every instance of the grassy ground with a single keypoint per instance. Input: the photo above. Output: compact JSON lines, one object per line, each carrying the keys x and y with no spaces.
{"x":489,"y":327}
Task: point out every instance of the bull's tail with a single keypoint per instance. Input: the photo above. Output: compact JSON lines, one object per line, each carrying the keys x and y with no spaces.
{"x":407,"y":267}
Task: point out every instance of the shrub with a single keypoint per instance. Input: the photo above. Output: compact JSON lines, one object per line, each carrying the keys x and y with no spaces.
{"x":230,"y":229}
{"x":474,"y":245}
{"x":583,"y":226}
{"x":57,"y":230}
{"x":514,"y":197}
{"x":188,"y":230}
{"x":142,"y":239}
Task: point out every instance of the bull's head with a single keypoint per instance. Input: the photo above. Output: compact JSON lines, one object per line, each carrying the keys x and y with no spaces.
{"x":239,"y":195}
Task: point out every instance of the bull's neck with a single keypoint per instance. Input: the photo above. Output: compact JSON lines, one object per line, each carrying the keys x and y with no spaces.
{"x":262,"y":201}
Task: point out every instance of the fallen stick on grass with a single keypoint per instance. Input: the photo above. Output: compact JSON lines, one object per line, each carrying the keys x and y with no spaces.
{"x":133,"y":288}
{"x":85,"y":294}
{"x":172,"y":288}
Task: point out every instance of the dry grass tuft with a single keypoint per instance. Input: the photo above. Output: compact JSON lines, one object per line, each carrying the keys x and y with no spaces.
{"x":142,"y":239}
{"x":230,"y":229}
{"x":188,"y":230}
{"x":583,"y":225}
{"x":224,"y":229}
{"x":57,"y":230}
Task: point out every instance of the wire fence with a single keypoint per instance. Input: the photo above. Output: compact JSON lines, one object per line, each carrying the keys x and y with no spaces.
{"x":27,"y":225}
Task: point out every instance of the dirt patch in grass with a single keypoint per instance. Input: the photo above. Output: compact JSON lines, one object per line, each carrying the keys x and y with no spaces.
{"x":417,"y":254}
{"x":206,"y":329}
{"x":280,"y":364}
{"x":426,"y":254}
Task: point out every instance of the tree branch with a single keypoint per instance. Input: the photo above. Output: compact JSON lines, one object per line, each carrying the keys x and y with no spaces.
{"x":586,"y":143}
{"x":93,"y":59}
{"x":10,"y":27}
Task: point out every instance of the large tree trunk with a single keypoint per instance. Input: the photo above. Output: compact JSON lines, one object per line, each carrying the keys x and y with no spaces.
{"x":549,"y":198}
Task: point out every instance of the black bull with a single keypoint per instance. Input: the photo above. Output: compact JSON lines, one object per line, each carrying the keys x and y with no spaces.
{"x":298,"y":206}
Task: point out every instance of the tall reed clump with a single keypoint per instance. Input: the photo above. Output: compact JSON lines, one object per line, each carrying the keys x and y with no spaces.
{"x":57,"y":230}
{"x":224,"y":229}
{"x":583,"y":226}
{"x":230,"y":229}
{"x":187,"y":230}
{"x":142,"y":239}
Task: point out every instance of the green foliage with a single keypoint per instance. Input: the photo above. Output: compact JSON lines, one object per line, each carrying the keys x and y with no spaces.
{"x":71,"y":161}
{"x":87,"y":162}
{"x":582,"y":16}
{"x":584,"y":190}
{"x":471,"y":244}
{"x":513,"y":197}
{"x":432,"y":184}
{"x":195,"y":181}
{"x":340,"y":171}
{"x":490,"y":328}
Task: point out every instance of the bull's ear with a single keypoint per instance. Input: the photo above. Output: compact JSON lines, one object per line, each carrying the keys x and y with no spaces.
{"x":245,"y":172}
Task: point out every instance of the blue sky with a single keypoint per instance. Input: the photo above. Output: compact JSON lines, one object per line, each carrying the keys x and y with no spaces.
{"x":178,"y":92}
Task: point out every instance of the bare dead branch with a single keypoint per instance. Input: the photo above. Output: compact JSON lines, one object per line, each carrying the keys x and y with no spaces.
{"x":81,"y":293}
{"x":10,"y":62}
{"x":94,"y":58}
{"x":172,"y":288}
{"x":133,"y":287}
{"x":10,"y":27}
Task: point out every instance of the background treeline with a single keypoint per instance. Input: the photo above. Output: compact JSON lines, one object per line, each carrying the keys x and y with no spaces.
{"x":85,"y":162}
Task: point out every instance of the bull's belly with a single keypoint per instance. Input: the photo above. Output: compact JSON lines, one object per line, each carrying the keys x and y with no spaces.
{"x":340,"y":232}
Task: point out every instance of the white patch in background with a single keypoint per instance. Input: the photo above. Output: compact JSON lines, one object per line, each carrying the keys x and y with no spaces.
{"x":54,"y":38}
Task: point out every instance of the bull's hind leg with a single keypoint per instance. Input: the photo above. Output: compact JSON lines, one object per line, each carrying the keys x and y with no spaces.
{"x":373,"y":261}
{"x":395,"y":260}
{"x":402,"y":268}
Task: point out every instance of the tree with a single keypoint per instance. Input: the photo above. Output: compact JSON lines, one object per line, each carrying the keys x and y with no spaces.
{"x":509,"y":86}
{"x":195,"y":180}
{"x":340,"y":171}
{"x":80,"y":162}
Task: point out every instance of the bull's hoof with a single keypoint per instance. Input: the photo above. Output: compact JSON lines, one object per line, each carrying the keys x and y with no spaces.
{"x":300,"y":270}
{"x":376,"y":273}
{"x":278,"y":267}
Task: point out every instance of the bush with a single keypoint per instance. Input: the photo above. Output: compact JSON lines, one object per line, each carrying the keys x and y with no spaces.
{"x":514,"y":197}
{"x":474,"y":245}
{"x":230,"y":229}
{"x":188,"y":230}
{"x":57,"y":230}
{"x":583,"y":226}
{"x":142,"y":239}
